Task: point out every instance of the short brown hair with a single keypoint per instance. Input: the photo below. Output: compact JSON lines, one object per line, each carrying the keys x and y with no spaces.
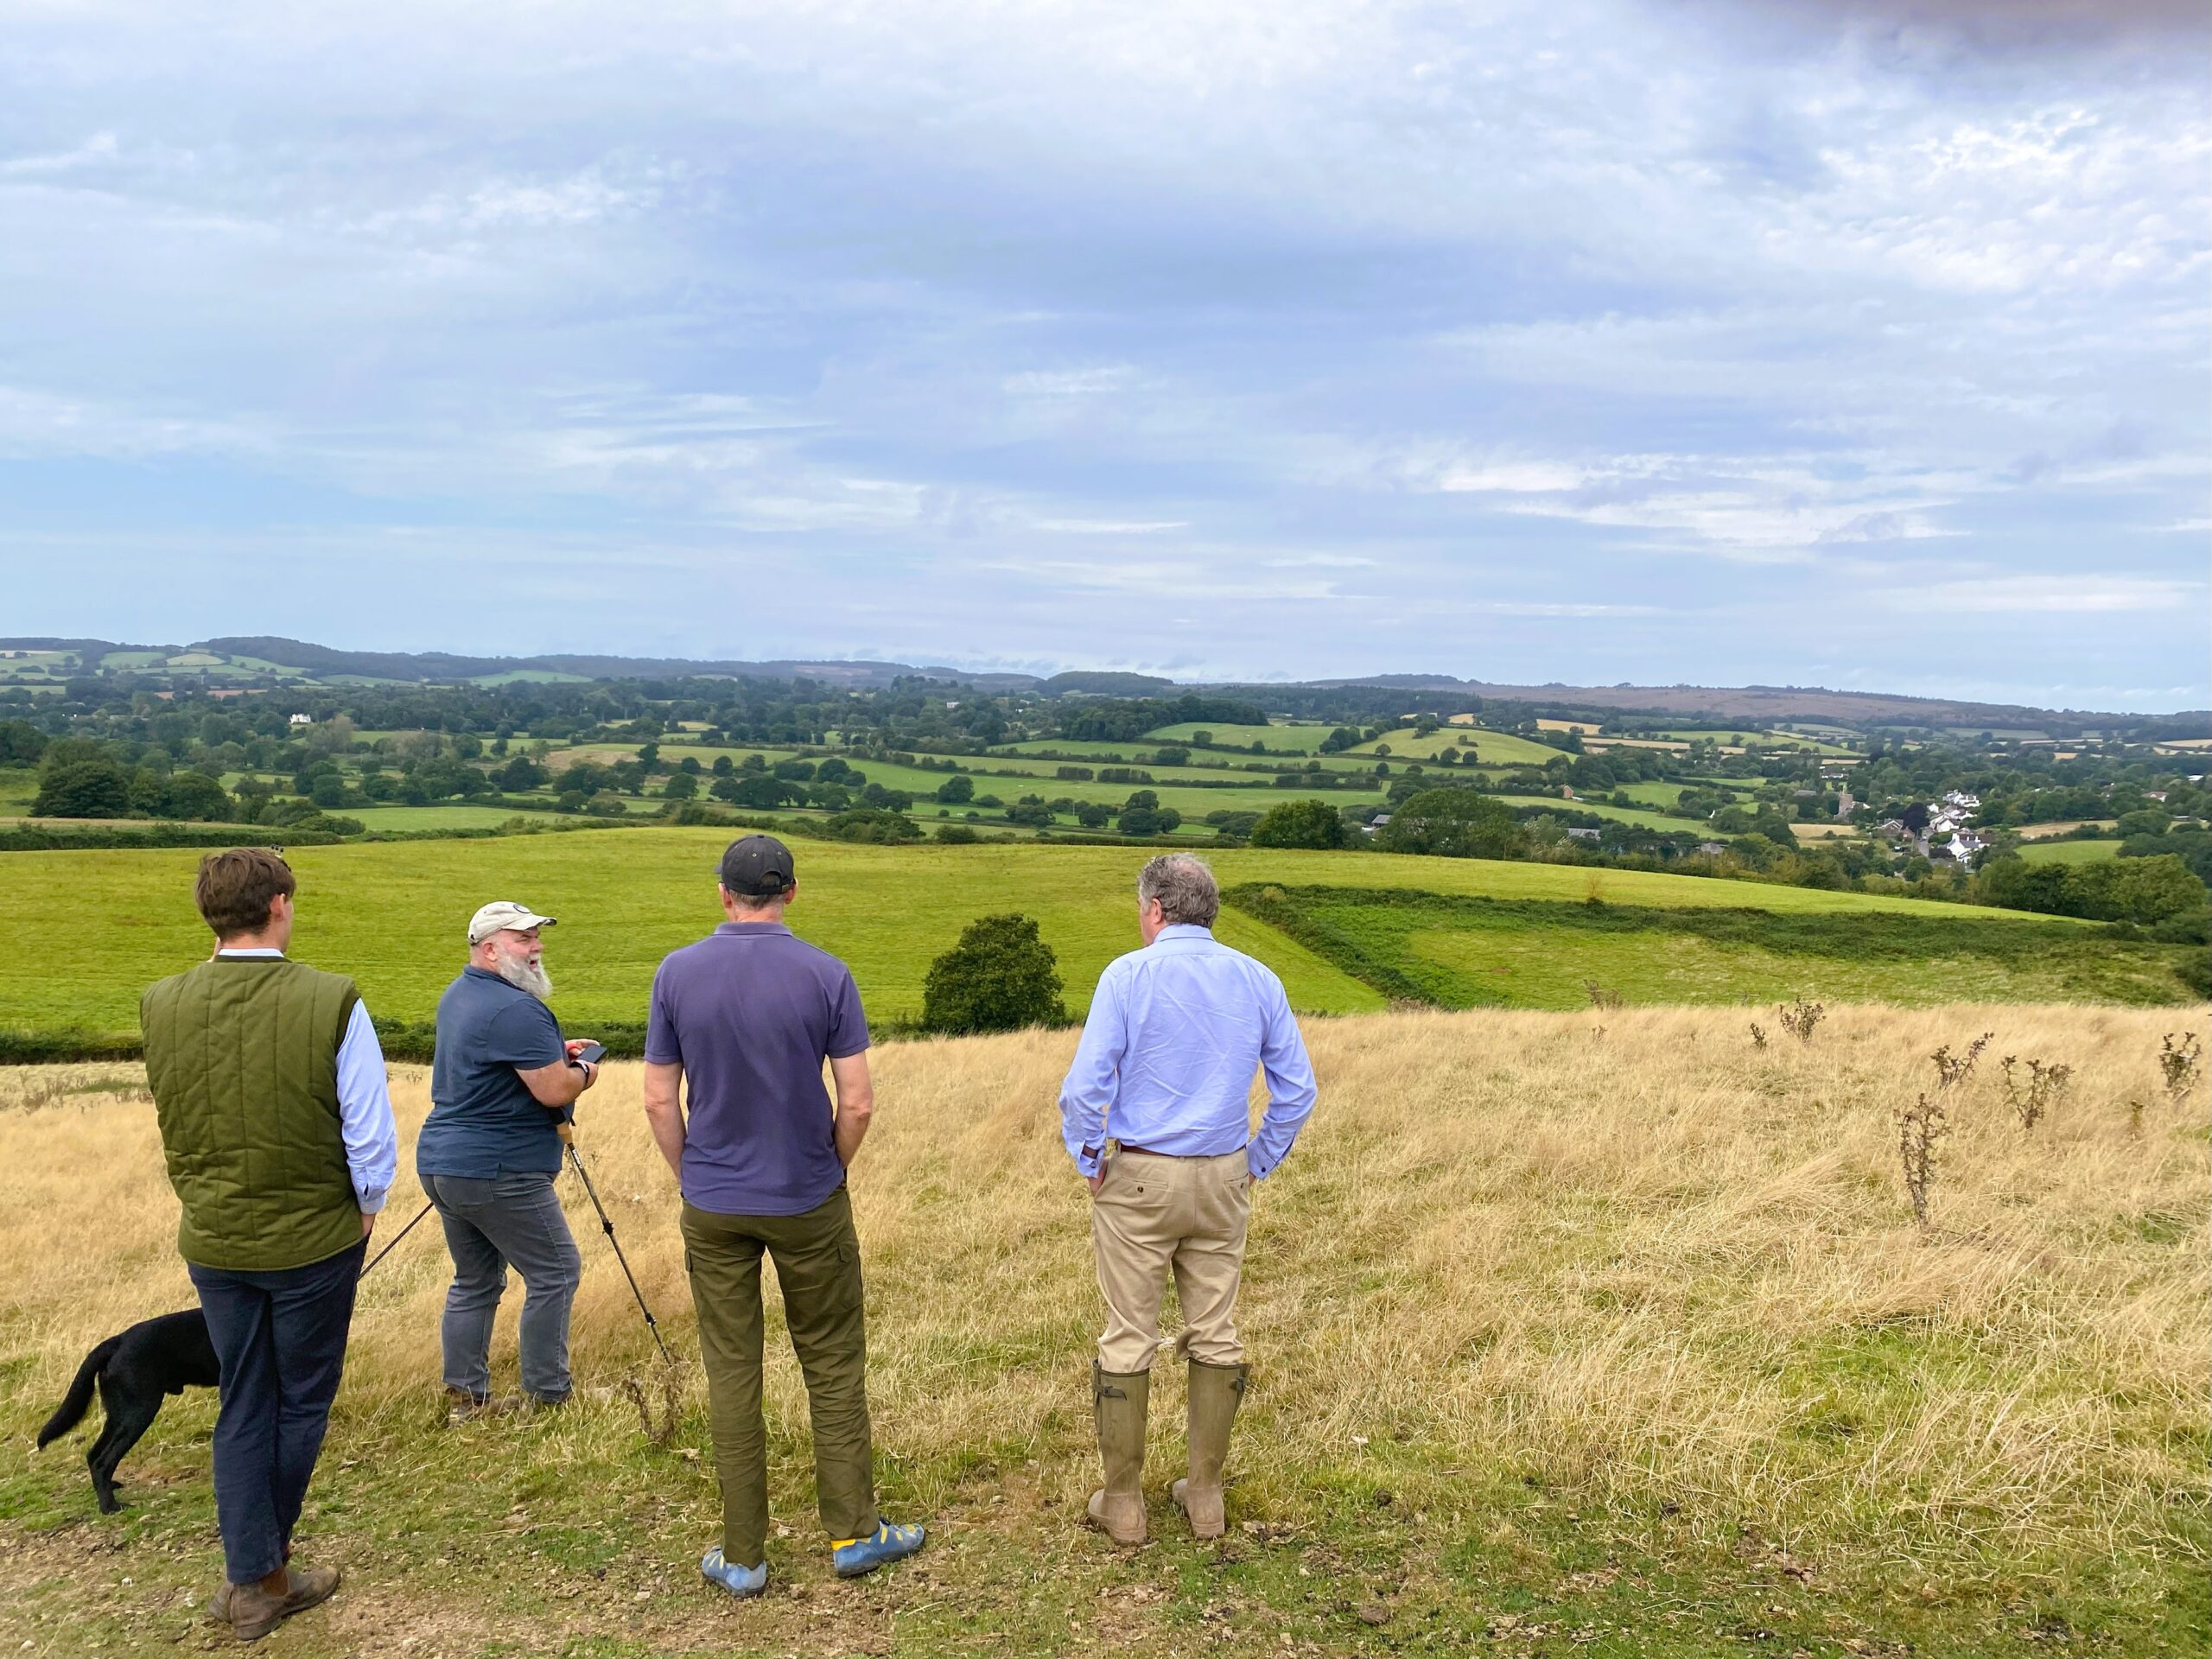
{"x":236,"y":888}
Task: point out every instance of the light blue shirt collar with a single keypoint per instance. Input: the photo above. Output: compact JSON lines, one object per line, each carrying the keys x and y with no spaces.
{"x":1182,"y":931}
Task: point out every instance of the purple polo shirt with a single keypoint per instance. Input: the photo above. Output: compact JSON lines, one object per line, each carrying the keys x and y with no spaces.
{"x":750,"y":1012}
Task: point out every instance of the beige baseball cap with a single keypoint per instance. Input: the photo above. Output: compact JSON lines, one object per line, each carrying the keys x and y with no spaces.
{"x":502,"y":915}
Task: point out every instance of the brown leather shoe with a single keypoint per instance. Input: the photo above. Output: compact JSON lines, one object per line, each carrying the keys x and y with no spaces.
{"x":254,"y":1612}
{"x":461,"y":1407}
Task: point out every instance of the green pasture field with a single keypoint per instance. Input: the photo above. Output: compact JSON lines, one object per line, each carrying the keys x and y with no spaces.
{"x":1649,"y":820}
{"x":1734,"y":734}
{"x":1256,"y":795}
{"x":532,"y":676}
{"x":18,"y":788}
{"x":1108,"y":753}
{"x":1461,"y":951}
{"x":1210,"y":764}
{"x":1012,"y":768}
{"x":1496,"y":749}
{"x":2068,"y":852}
{"x":392,"y":913}
{"x":1653,"y":794}
{"x":451,"y":816}
{"x":1303,"y":739}
{"x":1664,"y":794}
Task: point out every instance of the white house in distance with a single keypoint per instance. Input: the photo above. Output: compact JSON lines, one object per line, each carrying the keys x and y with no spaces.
{"x":1949,"y":815}
{"x":1961,"y":848}
{"x":301,"y":720}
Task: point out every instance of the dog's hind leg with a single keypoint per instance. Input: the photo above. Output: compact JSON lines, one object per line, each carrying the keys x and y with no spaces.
{"x":128,"y":1416}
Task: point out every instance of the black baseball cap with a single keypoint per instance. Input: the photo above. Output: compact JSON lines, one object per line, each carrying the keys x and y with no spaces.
{"x":757,"y":867}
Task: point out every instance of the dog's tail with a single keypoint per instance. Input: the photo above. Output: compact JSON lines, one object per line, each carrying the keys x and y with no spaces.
{"x":72,"y":1408}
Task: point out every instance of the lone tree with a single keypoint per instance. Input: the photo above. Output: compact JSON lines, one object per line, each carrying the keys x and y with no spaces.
{"x":1000,"y":977}
{"x":1299,"y":823}
{"x":83,"y":789}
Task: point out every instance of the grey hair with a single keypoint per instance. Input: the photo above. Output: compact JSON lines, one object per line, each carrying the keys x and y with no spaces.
{"x":1187,"y":893}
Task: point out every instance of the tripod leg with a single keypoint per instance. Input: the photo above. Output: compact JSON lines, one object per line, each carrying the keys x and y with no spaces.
{"x":607,"y":1225}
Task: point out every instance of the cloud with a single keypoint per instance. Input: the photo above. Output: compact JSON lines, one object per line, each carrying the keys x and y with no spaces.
{"x":1599,"y":340}
{"x":2053,"y":594}
{"x":100,"y":147}
{"x":1069,"y":383}
{"x":2001,"y":26}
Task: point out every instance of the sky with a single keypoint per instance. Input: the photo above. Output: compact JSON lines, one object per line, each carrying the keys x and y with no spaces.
{"x":1703,"y":341}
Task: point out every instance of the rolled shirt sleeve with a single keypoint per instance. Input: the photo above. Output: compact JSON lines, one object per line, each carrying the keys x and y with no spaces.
{"x":1290,"y":1086}
{"x":364,"y":1113}
{"x":1092,"y":1078}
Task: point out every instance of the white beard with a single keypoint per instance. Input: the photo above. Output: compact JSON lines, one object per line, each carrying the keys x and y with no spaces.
{"x":528,"y":975}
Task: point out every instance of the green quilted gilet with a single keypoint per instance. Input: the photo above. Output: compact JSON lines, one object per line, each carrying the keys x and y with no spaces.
{"x":242,"y":1056}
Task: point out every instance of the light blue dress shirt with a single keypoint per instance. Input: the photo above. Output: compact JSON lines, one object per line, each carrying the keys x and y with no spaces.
{"x":364,"y":1106}
{"x":1167,"y":1055}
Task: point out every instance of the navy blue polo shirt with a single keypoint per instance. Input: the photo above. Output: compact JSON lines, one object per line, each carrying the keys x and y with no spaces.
{"x":750,"y":1012}
{"x":484,"y":1122}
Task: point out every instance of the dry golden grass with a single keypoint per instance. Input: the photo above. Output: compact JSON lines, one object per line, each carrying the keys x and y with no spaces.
{"x":1624,"y":1253}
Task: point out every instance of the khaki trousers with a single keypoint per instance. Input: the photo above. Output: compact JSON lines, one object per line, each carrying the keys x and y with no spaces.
{"x":1154,"y":1215}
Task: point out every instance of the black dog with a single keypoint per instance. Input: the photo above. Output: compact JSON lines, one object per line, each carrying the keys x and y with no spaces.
{"x":134,"y":1371}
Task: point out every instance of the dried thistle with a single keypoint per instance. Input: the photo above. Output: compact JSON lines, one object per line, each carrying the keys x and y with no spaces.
{"x":1952,"y":1069}
{"x":2178,"y":1061}
{"x":1800,"y":1018}
{"x":1758,"y":1035}
{"x":1600,"y":996}
{"x":2044,"y":1086}
{"x":1920,"y":1126}
{"x":668,"y":1384}
{"x":2134,"y":1120}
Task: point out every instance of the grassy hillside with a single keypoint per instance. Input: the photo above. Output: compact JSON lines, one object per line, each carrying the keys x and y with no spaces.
{"x":1280,"y":738}
{"x":393,"y":914}
{"x":1494,"y":748}
{"x":1464,"y":951}
{"x":1649,"y":818}
{"x":2068,"y":852}
{"x":1571,"y":1336}
{"x":1011,"y":777}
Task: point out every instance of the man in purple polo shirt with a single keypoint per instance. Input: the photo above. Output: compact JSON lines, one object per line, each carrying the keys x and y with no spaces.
{"x":747,"y":1016}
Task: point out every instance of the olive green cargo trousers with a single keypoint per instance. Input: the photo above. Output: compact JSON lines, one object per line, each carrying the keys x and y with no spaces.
{"x":818,"y":1258}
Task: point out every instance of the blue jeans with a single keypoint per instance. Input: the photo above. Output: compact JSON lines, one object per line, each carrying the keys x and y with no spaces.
{"x":513,"y":1219}
{"x":280,"y":1339}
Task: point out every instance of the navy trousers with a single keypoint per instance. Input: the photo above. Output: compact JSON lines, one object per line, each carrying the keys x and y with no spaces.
{"x":280,"y":1339}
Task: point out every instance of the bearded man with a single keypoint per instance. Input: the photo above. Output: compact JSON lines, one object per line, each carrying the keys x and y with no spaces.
{"x":502,"y":1084}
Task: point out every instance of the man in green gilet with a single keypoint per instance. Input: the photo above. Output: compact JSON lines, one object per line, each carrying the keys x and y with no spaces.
{"x":277,"y":1129}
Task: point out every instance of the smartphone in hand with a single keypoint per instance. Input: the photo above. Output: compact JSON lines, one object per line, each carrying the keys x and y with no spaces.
{"x":590,"y":1053}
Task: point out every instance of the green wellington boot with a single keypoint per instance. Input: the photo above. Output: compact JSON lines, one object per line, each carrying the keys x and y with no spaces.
{"x":1215,"y":1392}
{"x":1121,"y":1401}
